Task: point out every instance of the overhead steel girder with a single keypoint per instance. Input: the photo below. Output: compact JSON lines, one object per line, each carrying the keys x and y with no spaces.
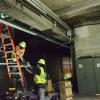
{"x":32,"y":33}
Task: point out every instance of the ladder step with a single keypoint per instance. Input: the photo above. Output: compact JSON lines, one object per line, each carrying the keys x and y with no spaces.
{"x":3,"y":63}
{"x":11,"y":89}
{"x":9,"y":59}
{"x":12,"y":63}
{"x":1,"y":51}
{"x":8,"y":44}
{"x":15,"y":73}
{"x":4,"y":36}
{"x":14,"y":66}
{"x":6,"y":63}
{"x":9,"y":51}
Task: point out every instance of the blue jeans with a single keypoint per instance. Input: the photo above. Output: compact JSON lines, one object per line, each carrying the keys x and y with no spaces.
{"x":41,"y":93}
{"x":39,"y":90}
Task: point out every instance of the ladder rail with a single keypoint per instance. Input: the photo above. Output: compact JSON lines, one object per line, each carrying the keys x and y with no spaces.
{"x":8,"y":69}
{"x":4,"y":49}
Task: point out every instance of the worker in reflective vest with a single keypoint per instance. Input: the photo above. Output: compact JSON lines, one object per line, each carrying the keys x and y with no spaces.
{"x":40,"y":79}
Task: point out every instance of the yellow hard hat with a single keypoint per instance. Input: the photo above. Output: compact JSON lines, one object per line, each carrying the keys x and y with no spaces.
{"x":22,"y":44}
{"x":41,"y":61}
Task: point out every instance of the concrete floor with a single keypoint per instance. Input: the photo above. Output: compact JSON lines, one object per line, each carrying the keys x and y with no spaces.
{"x":81,"y":97}
{"x":85,"y":97}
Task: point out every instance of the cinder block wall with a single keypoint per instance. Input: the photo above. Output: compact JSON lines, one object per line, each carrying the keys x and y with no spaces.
{"x":87,"y":40}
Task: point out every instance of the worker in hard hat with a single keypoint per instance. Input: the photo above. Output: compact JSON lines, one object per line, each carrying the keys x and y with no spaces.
{"x":19,"y":50}
{"x":19,"y":53}
{"x":40,"y":79}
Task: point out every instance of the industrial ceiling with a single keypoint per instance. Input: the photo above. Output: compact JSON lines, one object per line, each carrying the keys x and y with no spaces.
{"x":47,"y":15}
{"x":76,"y":12}
{"x":36,"y":16}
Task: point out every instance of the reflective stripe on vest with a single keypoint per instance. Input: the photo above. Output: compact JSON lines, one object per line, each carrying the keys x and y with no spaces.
{"x":40,"y":78}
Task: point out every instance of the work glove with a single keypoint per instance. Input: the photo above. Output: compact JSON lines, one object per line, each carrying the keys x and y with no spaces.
{"x":27,"y":64}
{"x":28,"y":67}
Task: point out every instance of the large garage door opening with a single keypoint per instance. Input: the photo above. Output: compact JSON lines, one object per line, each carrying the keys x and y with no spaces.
{"x":57,"y":57}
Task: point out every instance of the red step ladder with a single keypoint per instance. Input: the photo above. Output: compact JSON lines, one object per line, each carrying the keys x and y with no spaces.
{"x":8,"y":63}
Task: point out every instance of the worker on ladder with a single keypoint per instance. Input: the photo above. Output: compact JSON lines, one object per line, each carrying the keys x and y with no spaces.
{"x":40,"y":79}
{"x":19,"y":50}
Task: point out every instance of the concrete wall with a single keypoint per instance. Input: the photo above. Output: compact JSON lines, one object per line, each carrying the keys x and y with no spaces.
{"x":87,"y":40}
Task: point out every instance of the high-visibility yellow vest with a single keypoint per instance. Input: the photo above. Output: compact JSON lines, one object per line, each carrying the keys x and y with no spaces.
{"x":40,"y":79}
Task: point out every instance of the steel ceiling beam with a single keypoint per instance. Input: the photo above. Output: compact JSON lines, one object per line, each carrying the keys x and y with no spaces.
{"x":32,"y":33}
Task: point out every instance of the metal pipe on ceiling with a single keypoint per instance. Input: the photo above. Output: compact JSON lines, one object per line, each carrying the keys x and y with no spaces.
{"x":32,"y":33}
{"x":46,"y":11}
